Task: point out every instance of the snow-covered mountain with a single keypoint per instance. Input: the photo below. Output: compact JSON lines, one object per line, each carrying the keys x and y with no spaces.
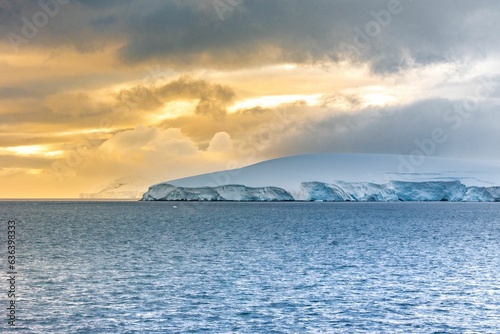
{"x":342,"y":177}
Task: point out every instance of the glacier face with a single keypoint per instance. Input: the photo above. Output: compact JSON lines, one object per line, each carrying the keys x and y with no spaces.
{"x":451,"y":191}
{"x":429,"y":191}
{"x":231,"y":192}
{"x":494,"y":191}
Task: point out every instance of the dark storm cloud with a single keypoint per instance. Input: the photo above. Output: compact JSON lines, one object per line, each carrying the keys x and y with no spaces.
{"x":100,"y":4}
{"x":388,"y":34}
{"x":419,"y":33}
{"x":212,"y":98}
{"x":400,"y":130}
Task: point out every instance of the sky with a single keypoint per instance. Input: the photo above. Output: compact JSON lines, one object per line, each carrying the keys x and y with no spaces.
{"x":92,"y":91}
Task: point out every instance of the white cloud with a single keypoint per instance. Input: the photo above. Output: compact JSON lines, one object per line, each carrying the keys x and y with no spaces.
{"x":160,"y":154}
{"x":221,"y":142}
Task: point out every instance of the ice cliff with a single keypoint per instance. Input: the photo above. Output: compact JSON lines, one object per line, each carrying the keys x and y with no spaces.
{"x":451,"y":191}
{"x":168,"y":192}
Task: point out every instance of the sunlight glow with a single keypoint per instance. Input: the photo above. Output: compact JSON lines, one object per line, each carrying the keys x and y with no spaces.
{"x":54,"y":154}
{"x":175,"y":109}
{"x":30,"y":150}
{"x":26,"y":150}
{"x":377,"y":99}
{"x":275,"y":100}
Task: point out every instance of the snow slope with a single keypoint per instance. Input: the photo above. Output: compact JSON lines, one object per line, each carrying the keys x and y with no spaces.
{"x":289,"y":172}
{"x":341,"y":177}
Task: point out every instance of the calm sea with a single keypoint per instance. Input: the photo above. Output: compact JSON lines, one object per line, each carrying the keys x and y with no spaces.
{"x":132,"y":267}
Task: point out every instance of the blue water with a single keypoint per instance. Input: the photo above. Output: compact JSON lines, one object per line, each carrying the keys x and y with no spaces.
{"x":131,"y":267}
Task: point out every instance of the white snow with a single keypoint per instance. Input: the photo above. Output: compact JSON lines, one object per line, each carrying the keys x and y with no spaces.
{"x":289,"y":172}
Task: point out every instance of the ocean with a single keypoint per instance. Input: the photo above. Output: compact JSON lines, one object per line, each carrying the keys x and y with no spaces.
{"x":188,"y":267}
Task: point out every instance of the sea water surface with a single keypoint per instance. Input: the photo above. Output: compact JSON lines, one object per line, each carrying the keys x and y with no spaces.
{"x":164,"y":267}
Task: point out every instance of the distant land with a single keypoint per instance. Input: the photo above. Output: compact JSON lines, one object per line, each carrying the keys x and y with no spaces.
{"x":341,"y":177}
{"x":127,"y":187}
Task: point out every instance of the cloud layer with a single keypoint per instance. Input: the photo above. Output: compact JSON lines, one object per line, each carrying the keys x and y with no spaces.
{"x":95,"y":90}
{"x":390,"y":35}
